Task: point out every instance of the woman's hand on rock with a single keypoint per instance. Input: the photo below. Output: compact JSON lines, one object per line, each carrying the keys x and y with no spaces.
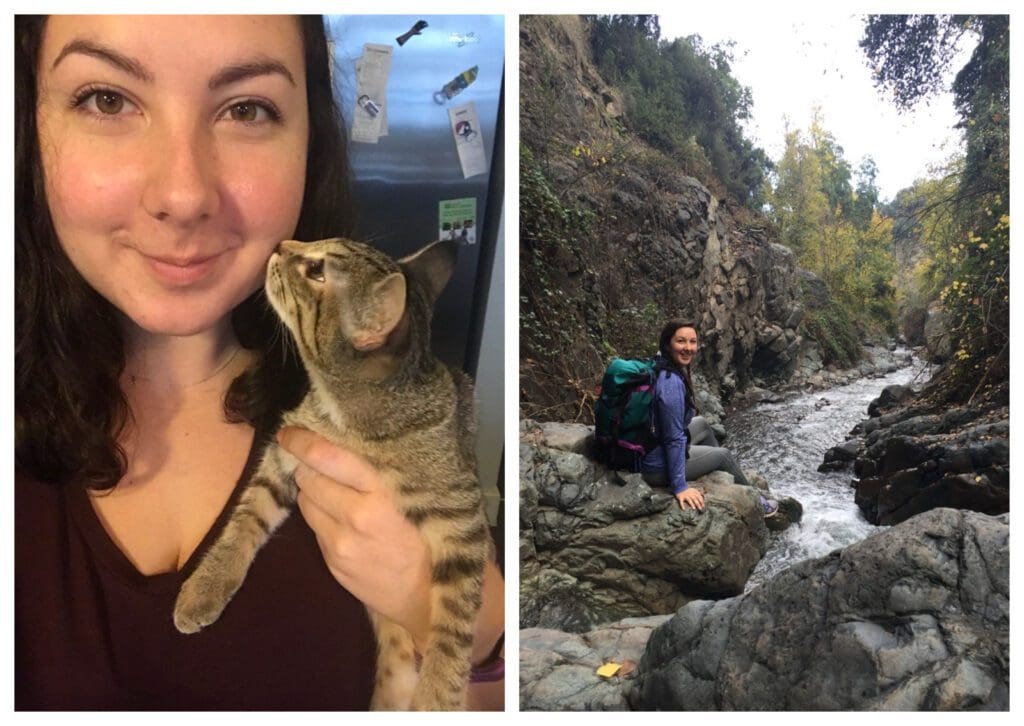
{"x":690,"y":498}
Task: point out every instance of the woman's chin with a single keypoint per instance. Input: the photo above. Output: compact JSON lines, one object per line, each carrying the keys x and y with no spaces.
{"x":178,"y":323}
{"x":184,"y":315}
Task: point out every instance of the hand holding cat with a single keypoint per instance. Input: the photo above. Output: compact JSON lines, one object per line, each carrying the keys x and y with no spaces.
{"x":367,"y":544}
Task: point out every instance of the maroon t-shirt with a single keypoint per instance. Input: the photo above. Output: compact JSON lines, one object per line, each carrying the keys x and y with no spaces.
{"x":91,"y":632}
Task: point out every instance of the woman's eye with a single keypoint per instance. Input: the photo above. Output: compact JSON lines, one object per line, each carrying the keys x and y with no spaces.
{"x":102,"y":102}
{"x":251,"y":112}
{"x":315,"y":270}
{"x":109,"y":103}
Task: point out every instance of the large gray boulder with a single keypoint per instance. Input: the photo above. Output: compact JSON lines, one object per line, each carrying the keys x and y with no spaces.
{"x":557,"y":671}
{"x":630,"y":547}
{"x":598,"y":545}
{"x":913,"y":618}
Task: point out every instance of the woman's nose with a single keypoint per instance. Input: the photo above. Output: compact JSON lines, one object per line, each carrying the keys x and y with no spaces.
{"x":182,"y":182}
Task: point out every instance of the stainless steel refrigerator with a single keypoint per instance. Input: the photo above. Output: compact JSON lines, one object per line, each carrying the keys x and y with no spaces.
{"x":422,"y":99}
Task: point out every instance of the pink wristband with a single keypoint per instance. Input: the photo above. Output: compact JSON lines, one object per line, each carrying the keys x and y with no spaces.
{"x":492,"y":671}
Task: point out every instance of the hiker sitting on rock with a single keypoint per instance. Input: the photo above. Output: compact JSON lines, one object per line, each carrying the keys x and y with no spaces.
{"x":687,"y":445}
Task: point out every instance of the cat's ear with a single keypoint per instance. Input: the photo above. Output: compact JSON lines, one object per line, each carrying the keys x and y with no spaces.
{"x":389,"y":306}
{"x":432,"y":265}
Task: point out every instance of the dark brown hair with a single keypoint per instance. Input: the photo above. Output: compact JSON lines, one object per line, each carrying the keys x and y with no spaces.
{"x":69,"y":352}
{"x":667,"y":333}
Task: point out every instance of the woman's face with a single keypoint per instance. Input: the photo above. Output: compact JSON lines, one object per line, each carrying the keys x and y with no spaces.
{"x":683,"y":346}
{"x":174,"y":152}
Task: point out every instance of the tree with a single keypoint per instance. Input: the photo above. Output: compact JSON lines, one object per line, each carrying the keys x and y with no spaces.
{"x":799,"y":203}
{"x":865,"y":197}
{"x":816,"y":211}
{"x":682,"y":98}
{"x":910,"y":55}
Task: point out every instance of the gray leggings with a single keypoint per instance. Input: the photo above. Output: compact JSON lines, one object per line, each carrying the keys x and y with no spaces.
{"x":705,"y":456}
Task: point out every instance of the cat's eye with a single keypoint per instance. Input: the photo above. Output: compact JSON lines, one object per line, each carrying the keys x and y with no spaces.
{"x":315,"y":270}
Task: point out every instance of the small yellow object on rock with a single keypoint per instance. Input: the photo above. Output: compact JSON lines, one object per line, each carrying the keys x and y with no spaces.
{"x":608,"y":670}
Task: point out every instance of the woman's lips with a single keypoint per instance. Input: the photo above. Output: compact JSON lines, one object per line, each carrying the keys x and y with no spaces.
{"x":182,"y":273}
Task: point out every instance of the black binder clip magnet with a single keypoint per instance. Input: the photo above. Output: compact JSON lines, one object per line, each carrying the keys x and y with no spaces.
{"x":369,"y":105}
{"x":414,"y":30}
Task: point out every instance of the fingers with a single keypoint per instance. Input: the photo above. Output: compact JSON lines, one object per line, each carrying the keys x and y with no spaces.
{"x":337,"y":464}
{"x":326,"y":494}
{"x":329,"y":533}
{"x":690,"y":498}
{"x":342,"y":507}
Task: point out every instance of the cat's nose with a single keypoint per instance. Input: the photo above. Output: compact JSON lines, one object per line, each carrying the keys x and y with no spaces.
{"x":286,"y":247}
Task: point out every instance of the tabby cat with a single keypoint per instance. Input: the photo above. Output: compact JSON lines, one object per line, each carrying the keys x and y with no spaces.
{"x":361,"y":322}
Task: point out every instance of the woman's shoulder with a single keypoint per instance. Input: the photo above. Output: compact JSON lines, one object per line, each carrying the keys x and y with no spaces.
{"x":33,"y":497}
{"x":669,"y":376}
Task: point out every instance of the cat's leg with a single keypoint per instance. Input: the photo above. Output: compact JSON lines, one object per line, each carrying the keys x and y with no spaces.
{"x":459,"y":549}
{"x":396,"y":666}
{"x":262,"y":507}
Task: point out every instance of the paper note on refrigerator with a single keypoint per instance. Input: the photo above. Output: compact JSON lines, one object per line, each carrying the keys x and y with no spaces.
{"x":370,"y":116}
{"x":469,"y":140}
{"x":457,"y":220}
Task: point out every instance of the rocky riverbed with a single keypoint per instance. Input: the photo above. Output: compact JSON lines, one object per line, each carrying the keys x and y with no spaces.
{"x":584,"y":569}
{"x":916,"y":617}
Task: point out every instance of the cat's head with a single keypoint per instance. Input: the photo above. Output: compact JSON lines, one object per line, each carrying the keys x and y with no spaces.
{"x":345,"y":301}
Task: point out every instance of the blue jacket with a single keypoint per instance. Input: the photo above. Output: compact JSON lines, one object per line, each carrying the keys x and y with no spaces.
{"x":671,"y":417}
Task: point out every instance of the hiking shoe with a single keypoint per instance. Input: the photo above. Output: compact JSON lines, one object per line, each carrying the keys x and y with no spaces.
{"x":769,"y":507}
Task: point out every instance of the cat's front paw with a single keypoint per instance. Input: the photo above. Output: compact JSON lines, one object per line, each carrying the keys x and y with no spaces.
{"x":436,"y":697}
{"x":198,"y":605}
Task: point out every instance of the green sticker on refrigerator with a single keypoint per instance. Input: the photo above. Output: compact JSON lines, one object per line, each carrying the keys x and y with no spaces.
{"x":457,"y":220}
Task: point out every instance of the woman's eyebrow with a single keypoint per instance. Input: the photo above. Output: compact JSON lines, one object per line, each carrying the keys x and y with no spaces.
{"x":226,"y":76}
{"x":97,"y":50}
{"x":242,"y":71}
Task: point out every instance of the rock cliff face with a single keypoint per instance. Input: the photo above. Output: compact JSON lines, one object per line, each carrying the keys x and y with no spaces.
{"x":938,"y":341}
{"x":913,"y":618}
{"x":662,"y":245}
{"x":598,"y":545}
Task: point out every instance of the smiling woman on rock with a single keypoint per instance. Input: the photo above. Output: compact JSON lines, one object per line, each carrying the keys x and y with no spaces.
{"x":688,"y":447}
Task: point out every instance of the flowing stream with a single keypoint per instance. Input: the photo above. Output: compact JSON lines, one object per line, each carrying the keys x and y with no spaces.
{"x":787,"y":441}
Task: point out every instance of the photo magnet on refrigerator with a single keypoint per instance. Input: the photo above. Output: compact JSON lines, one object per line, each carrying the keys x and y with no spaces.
{"x":469,"y":141}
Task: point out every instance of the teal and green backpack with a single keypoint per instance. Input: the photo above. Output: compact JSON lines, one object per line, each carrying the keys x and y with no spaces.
{"x":623,"y":417}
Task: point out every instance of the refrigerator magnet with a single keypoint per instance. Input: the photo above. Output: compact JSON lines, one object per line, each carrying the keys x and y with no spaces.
{"x":461,"y":39}
{"x":414,"y":30}
{"x":457,"y":220}
{"x":456,"y":85}
{"x":370,"y":117}
{"x":469,"y":141}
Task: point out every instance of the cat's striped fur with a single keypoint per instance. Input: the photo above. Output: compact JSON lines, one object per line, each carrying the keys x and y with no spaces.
{"x":361,"y":322}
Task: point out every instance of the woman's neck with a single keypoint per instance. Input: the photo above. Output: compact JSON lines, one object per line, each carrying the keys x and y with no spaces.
{"x":179,"y":362}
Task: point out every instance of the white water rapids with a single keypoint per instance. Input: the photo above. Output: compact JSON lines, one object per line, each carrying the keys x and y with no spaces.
{"x":787,"y":441}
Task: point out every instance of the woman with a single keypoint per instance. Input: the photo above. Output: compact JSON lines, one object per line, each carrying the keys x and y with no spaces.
{"x":159,"y":162}
{"x":688,"y":446}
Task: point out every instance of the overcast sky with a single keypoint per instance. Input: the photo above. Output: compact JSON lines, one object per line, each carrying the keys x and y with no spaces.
{"x":794,"y":61}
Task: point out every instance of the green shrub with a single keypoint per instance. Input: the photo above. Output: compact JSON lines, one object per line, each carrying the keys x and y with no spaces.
{"x":834,"y":330}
